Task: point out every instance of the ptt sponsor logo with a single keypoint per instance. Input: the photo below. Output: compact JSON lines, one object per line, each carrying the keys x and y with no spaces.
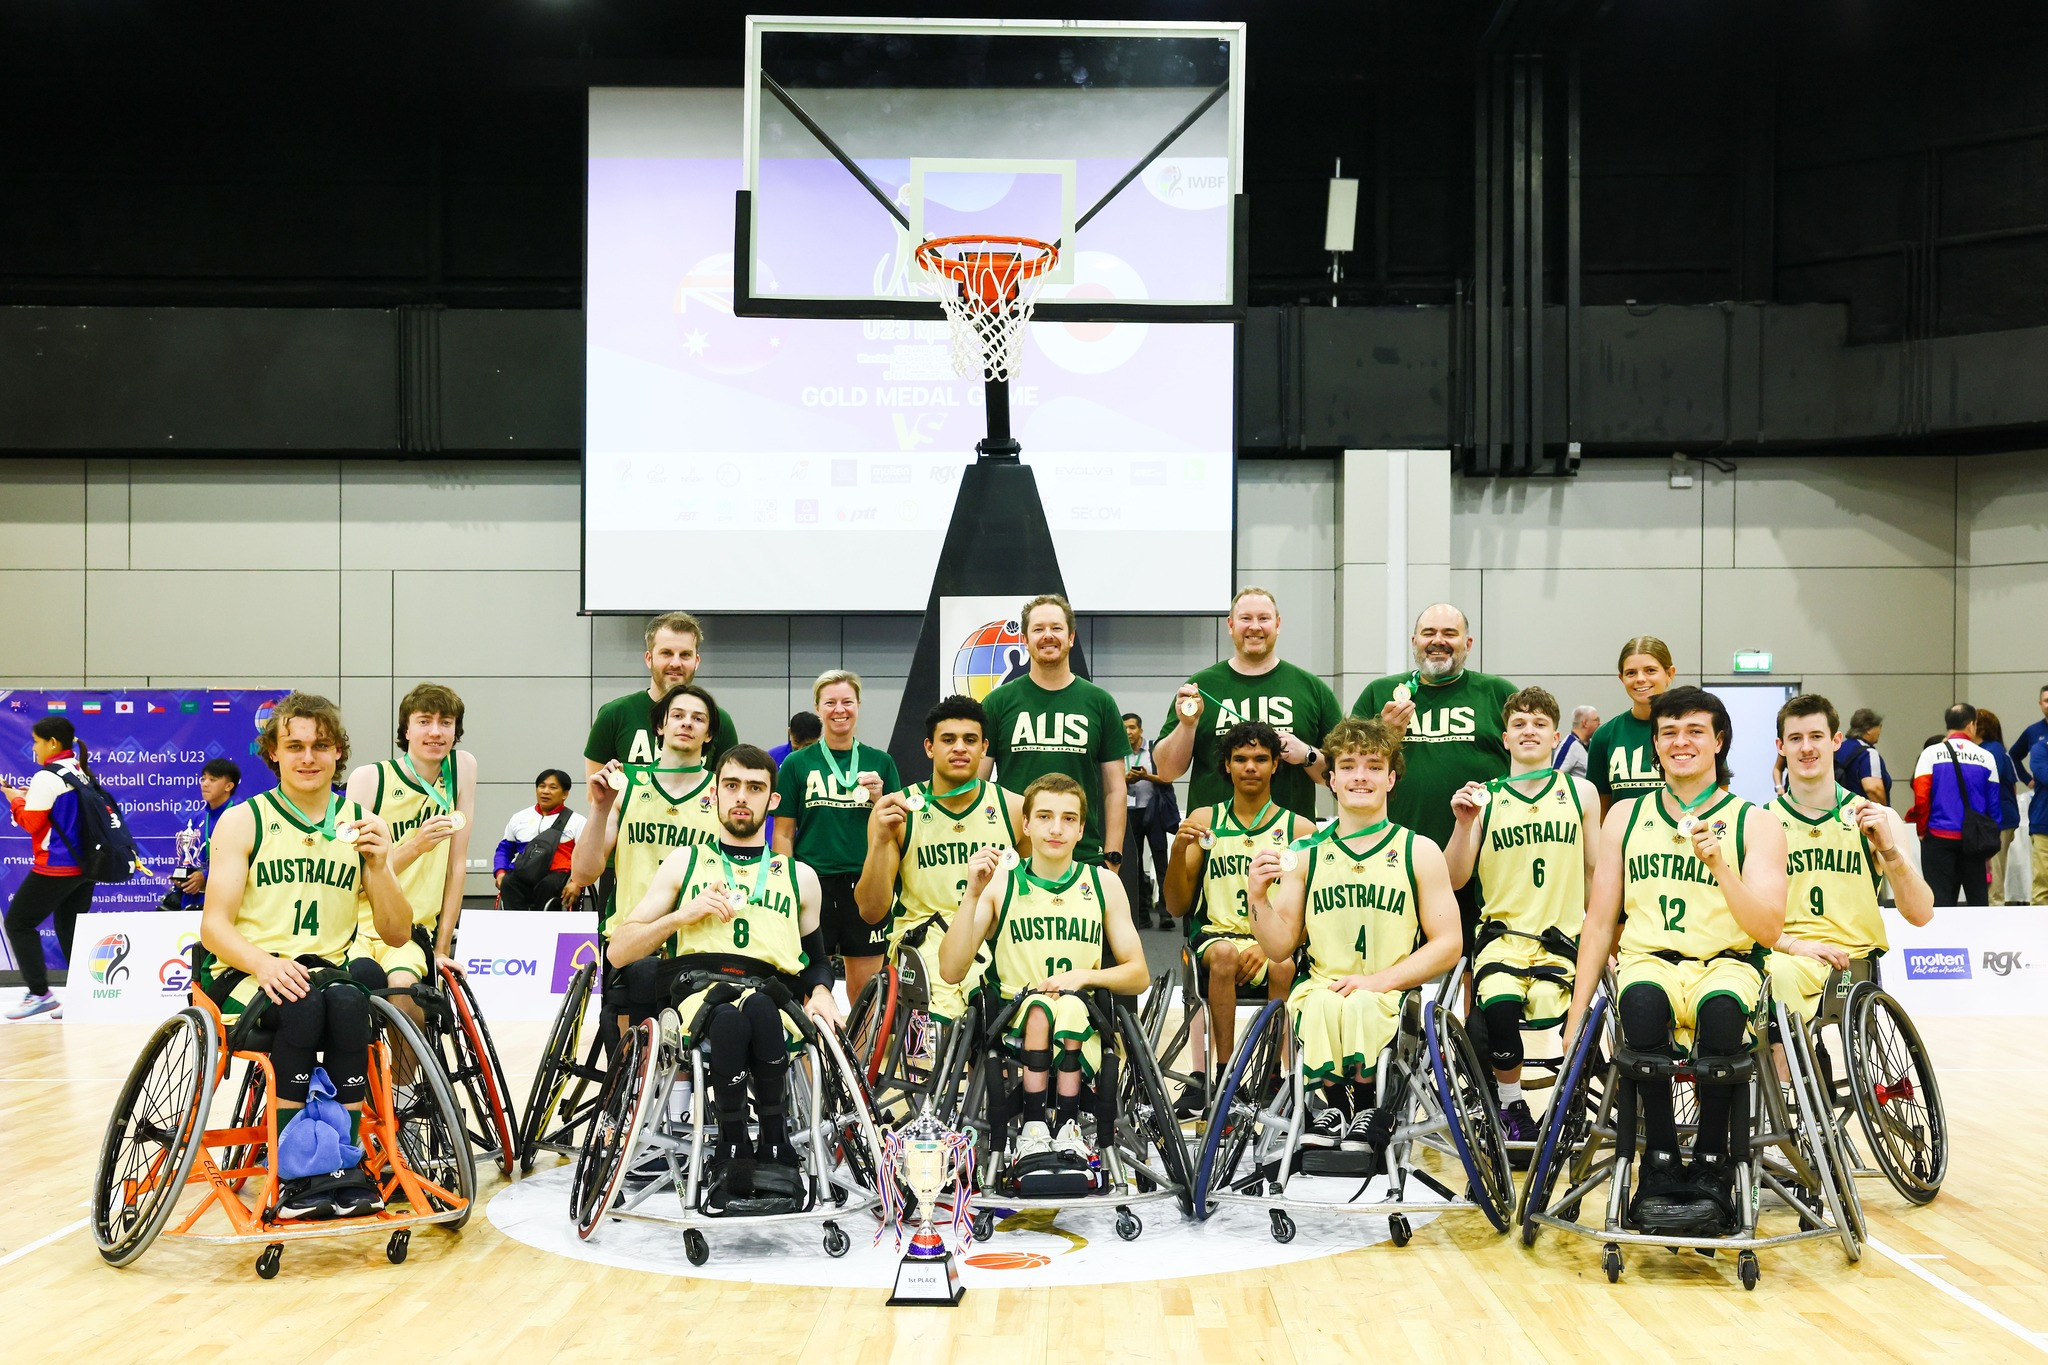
{"x":854,"y":514}
{"x":501,"y":966}
{"x":1937,"y":964}
{"x":2003,"y":964}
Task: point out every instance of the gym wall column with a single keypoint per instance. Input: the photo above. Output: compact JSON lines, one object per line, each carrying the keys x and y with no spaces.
{"x":1394,"y":557}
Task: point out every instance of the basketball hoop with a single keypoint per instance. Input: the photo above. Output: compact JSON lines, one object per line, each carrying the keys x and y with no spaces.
{"x":988,"y":287}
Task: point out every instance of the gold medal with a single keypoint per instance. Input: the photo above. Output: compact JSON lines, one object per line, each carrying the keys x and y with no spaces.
{"x":1402,"y":692}
{"x":456,"y":819}
{"x":615,"y":778}
{"x":1190,"y":707}
{"x":1289,"y":860}
{"x":345,"y":833}
{"x":915,"y":801}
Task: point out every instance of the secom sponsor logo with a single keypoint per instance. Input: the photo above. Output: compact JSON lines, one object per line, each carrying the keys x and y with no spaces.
{"x":1937,"y":964}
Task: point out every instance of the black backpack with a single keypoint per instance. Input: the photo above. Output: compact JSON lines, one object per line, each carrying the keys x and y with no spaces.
{"x":532,"y":863}
{"x":1846,"y":758}
{"x":108,"y":852}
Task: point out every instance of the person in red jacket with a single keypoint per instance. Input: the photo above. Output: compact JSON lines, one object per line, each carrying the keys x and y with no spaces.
{"x":54,"y":888}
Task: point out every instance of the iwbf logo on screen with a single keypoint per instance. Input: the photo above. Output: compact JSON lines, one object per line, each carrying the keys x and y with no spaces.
{"x":1937,"y":964}
{"x":1190,"y":182}
{"x":571,"y":952}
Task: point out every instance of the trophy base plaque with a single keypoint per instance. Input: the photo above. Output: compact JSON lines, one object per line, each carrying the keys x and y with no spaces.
{"x":927,"y":1277}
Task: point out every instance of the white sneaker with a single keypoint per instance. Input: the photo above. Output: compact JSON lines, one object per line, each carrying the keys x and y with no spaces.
{"x":1034,"y":1140}
{"x":37,"y":1006}
{"x":1069,"y":1143}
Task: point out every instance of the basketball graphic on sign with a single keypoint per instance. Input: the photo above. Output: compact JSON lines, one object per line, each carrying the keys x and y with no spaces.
{"x":988,"y":656}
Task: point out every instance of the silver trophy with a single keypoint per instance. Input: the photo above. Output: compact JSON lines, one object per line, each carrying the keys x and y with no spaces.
{"x":190,"y":841}
{"x":926,"y":1157}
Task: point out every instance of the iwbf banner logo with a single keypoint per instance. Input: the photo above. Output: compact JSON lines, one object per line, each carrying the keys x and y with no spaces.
{"x":571,"y":952}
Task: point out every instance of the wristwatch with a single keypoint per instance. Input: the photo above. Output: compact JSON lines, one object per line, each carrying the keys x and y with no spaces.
{"x":1115,"y":860}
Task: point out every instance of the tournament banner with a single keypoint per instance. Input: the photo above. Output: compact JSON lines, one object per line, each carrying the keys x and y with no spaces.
{"x":519,"y":961}
{"x":1969,"y":959}
{"x":146,"y":748}
{"x":981,"y":644}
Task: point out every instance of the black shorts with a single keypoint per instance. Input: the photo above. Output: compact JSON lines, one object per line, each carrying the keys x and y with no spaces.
{"x":846,"y":933}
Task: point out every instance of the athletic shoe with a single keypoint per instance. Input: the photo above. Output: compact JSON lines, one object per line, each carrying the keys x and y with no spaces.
{"x":1712,"y":1174}
{"x":1325,"y":1127}
{"x":1517,"y":1123}
{"x":1665,"y":1200}
{"x":359,"y":1198}
{"x":297,"y":1199}
{"x":1070,"y":1144}
{"x":1034,"y":1140}
{"x":1194,"y":1097}
{"x":32,"y":1006}
{"x":1370,"y":1131}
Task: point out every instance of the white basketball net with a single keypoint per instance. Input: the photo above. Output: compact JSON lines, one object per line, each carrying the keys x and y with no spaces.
{"x":987,"y":311}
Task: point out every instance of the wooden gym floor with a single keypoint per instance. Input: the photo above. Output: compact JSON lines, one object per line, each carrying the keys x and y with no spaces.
{"x":1965,"y":1278}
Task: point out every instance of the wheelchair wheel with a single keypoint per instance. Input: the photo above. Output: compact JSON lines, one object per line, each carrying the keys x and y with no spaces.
{"x":1471,"y":1113}
{"x":154,"y":1136}
{"x":956,"y":1060}
{"x":1897,"y":1098}
{"x":1150,"y":1112}
{"x":615,"y":1134}
{"x":431,"y":1138}
{"x":871,"y":1023}
{"x":248,"y":1111}
{"x":850,"y":1113}
{"x":1233,"y":1120}
{"x":1827,"y":1174}
{"x":1568,"y":1121}
{"x":557,"y":1063}
{"x":477,"y":1072}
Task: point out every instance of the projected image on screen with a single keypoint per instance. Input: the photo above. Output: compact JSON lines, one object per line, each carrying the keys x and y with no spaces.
{"x":764,"y":464}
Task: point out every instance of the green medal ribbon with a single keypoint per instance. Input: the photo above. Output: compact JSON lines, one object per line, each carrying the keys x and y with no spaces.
{"x":932,"y":798}
{"x":446,"y":800}
{"x":327,"y":820}
{"x":849,"y":779}
{"x":1230,"y":814}
{"x":1056,"y":888}
{"x":1684,"y":807}
{"x":697,"y":768}
{"x":732,"y":875}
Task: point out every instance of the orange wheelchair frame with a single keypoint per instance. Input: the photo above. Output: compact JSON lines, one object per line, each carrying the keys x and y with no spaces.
{"x":137,"y":1191}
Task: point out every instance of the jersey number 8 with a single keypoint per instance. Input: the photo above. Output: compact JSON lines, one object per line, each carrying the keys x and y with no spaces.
{"x":741,"y":934}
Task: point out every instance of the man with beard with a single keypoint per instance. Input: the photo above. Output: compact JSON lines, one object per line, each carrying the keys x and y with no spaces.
{"x":1451,"y":716}
{"x":621,"y":732}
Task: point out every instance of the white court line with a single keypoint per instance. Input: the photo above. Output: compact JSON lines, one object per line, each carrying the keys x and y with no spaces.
{"x":15,"y":1255}
{"x":2037,"y":1340}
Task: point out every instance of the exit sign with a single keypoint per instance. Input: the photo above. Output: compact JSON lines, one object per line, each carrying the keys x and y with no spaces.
{"x":1752,"y":661}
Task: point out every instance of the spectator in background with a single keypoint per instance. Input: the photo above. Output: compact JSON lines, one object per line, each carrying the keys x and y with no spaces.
{"x":217,"y":783}
{"x":1953,"y":777}
{"x":804,"y":729}
{"x":2037,"y":811}
{"x":532,"y":863}
{"x":2023,"y":749}
{"x":1570,"y":758}
{"x":55,"y":888}
{"x":1151,"y":818}
{"x":1859,"y":768}
{"x":1991,"y":736}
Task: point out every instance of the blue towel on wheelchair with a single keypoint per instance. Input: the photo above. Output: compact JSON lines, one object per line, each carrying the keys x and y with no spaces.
{"x":316,"y":1141}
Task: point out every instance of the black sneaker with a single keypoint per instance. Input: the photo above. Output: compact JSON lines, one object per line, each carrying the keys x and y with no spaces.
{"x":1325,"y":1127}
{"x":1712,"y":1176}
{"x":1665,"y":1199}
{"x":1517,"y":1123}
{"x":1194,"y":1097}
{"x":357,"y":1198}
{"x":1370,"y":1130}
{"x":299,"y":1199}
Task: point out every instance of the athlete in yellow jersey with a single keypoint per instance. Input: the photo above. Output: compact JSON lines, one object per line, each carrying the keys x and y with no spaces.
{"x":1373,"y":903}
{"x":1205,"y":874}
{"x":1527,"y":837}
{"x":1838,"y":848}
{"x":291,"y":870}
{"x":916,"y":867}
{"x":731,"y":909}
{"x":1060,"y":928}
{"x":1693,"y":878}
{"x":647,"y":813}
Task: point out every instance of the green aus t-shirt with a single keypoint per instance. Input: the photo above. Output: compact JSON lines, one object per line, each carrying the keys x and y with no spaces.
{"x":1291,"y":699}
{"x":1621,"y":758}
{"x":1075,"y":730}
{"x":620,"y":731}
{"x":1454,"y":738}
{"x":831,"y":827}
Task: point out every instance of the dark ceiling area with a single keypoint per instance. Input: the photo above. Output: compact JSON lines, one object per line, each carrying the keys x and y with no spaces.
{"x":1886,"y":159}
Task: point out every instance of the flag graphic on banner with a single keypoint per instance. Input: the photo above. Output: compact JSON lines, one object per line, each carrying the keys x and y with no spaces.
{"x":57,"y":706}
{"x":91,"y":708}
{"x":124,"y":708}
{"x":188,"y":707}
{"x":154,"y":709}
{"x":220,"y":706}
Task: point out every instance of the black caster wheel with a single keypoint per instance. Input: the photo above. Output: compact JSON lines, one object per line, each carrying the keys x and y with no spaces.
{"x":1746,"y":1266}
{"x":837,"y":1243}
{"x":1610,"y":1261}
{"x":984,"y":1225}
{"x":1397,"y":1224}
{"x":838,"y":1197}
{"x":695,"y":1247}
{"x":1128,"y":1225}
{"x":400,"y":1243}
{"x":1283,"y":1226}
{"x":267,"y":1263}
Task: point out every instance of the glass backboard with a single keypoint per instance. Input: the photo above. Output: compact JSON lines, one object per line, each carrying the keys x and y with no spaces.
{"x":1119,"y":142}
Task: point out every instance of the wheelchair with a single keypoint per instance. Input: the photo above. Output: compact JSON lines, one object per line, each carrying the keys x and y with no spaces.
{"x":1252,"y":1150}
{"x":1538,"y":1073}
{"x":1783,"y":1143}
{"x":649,"y":1142}
{"x":1125,"y":1114}
{"x":1887,"y":1080}
{"x":1178,"y":999}
{"x":906,"y":1055}
{"x":461,"y":1042}
{"x":567,"y":1093}
{"x":159,"y":1142}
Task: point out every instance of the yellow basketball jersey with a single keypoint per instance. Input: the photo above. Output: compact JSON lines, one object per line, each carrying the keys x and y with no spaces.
{"x":1225,"y":890}
{"x":768,"y":929}
{"x":936,"y":846}
{"x":654,"y":821}
{"x":1047,"y":927}
{"x":1532,"y":856}
{"x":1831,"y":886}
{"x":1360,"y":904}
{"x":305,"y":890}
{"x":1670,"y":900}
{"x":405,"y":806}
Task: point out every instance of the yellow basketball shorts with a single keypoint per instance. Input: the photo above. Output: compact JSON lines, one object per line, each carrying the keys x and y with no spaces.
{"x":1798,"y":982}
{"x":1544,"y":1003}
{"x":1068,"y":1015}
{"x":413,"y":955}
{"x":1342,"y":1036}
{"x":1207,"y":941}
{"x":947,"y":1000}
{"x":1689,"y":983}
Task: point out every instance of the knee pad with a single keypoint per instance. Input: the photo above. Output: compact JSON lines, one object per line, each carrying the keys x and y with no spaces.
{"x":299,"y":1026}
{"x":1035,"y":1058}
{"x":346,"y":1050}
{"x":764,"y":1028}
{"x":1069,"y":1059}
{"x":366,"y":972}
{"x":1722,"y":1022}
{"x":1645,"y":1018}
{"x":642,"y":983}
{"x":1503,"y":1019}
